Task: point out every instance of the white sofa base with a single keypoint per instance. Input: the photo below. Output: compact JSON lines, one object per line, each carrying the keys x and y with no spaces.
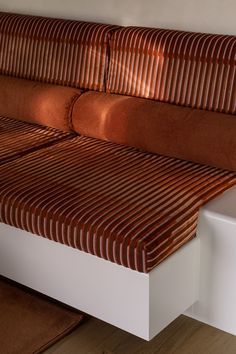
{"x":217,"y":289}
{"x":142,"y":304}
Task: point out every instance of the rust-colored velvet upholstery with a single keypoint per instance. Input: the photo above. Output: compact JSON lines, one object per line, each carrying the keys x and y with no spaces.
{"x":20,"y":138}
{"x":35,"y":102}
{"x":186,"y":133}
{"x":129,"y":207}
{"x":62,"y":52}
{"x":31,"y":323}
{"x":185,"y":68}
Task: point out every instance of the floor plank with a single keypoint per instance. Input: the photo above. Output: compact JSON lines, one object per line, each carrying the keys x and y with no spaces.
{"x":183,"y":336}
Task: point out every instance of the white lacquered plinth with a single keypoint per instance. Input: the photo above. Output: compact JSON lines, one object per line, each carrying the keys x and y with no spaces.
{"x":142,"y":304}
{"x":217,"y":288}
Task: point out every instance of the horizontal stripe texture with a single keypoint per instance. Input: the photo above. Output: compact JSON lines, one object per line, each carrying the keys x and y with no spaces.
{"x":184,"y":68}
{"x":19,"y":138}
{"x":64,"y":52}
{"x":127,"y":206}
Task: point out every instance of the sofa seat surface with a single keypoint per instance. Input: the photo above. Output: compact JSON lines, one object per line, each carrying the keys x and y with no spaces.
{"x":116,"y":202}
{"x":19,"y":138}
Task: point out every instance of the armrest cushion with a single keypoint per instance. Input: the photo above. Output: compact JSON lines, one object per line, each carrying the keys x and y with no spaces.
{"x":186,"y":133}
{"x":36,"y":102}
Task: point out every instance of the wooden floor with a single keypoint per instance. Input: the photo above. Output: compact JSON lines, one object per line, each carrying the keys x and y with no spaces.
{"x":183,"y":336}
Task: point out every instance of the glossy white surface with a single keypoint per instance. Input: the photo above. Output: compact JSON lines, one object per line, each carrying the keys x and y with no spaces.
{"x":217,"y":289}
{"x":142,"y":304}
{"x":223,"y":207}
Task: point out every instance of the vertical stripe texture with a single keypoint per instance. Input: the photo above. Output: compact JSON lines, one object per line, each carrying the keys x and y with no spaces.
{"x":19,"y":138}
{"x":184,"y":68}
{"x":126,"y":206}
{"x":63,"y":52}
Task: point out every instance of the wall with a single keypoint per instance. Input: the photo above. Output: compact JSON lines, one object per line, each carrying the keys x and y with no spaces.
{"x":216,"y":16}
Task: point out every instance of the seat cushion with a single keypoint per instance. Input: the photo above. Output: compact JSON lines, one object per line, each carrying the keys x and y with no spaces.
{"x":19,"y":138}
{"x":124,"y":205}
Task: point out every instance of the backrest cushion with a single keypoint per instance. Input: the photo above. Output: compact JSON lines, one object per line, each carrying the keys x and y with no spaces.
{"x":190,"y":69}
{"x":162,"y":128}
{"x":62,"y":52}
{"x":35,"y":102}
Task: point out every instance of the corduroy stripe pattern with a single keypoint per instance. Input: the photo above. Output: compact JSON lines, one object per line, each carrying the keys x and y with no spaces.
{"x":63,"y":52}
{"x":127,"y":206}
{"x":19,"y":138}
{"x":184,"y":68}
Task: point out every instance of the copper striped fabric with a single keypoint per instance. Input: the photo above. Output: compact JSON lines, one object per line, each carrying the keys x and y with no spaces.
{"x":55,"y":51}
{"x":19,"y":138}
{"x":115,"y":202}
{"x":189,"y":69}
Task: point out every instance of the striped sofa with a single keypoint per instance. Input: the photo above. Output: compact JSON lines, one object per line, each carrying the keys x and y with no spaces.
{"x":112,"y":139}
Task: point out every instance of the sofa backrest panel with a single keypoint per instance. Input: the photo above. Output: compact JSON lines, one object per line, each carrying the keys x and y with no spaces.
{"x":63,"y":52}
{"x":184,"y":68}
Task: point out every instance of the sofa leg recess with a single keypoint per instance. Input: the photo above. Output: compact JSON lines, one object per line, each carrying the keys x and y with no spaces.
{"x":139,"y":303}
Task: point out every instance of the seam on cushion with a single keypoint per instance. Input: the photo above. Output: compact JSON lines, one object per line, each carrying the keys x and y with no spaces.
{"x":69,"y":109}
{"x":108,"y":74}
{"x":72,"y":110}
{"x":107,"y":63}
{"x":33,"y":149}
{"x":108,"y":56}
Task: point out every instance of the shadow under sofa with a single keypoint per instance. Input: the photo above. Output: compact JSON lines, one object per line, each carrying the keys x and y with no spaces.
{"x":119,"y":181}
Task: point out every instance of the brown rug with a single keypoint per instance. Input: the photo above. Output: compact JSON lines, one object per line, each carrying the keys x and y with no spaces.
{"x":30,"y":323}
